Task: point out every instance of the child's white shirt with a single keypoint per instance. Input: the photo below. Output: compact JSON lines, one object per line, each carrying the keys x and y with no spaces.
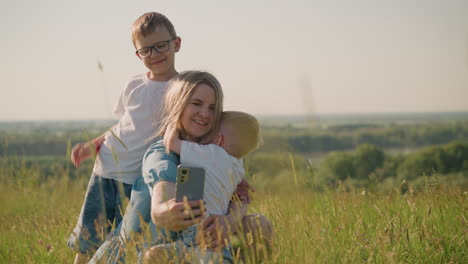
{"x":138,"y":109}
{"x":223,"y":173}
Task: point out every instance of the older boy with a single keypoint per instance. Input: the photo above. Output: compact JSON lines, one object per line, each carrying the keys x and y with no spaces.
{"x":239,"y":134}
{"x":120,"y":150}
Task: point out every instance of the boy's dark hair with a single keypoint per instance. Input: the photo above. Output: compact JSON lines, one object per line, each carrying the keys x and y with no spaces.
{"x":148,"y":22}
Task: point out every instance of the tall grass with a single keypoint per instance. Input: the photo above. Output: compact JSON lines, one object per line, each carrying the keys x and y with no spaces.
{"x":343,"y":225}
{"x":37,"y":213}
{"x":358,"y":227}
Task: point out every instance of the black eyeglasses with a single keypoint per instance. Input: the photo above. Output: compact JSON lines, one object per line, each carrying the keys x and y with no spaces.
{"x":159,"y":47}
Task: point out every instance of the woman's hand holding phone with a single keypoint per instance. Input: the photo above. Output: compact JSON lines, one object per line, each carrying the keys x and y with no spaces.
{"x":178,"y":216}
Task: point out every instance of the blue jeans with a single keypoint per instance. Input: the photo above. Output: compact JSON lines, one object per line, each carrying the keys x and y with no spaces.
{"x":188,"y":237}
{"x":102,"y":205}
{"x":139,"y":208}
{"x":112,"y":251}
{"x":185,"y":250}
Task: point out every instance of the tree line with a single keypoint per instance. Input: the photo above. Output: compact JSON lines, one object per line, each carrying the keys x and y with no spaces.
{"x":369,"y":162}
{"x":367,"y":165}
{"x":347,"y":137}
{"x":276,"y":139}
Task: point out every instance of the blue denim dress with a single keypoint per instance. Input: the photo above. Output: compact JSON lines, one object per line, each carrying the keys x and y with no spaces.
{"x":157,"y":166}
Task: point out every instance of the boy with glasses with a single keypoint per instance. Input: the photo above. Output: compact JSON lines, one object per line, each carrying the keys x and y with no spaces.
{"x":120,"y":150}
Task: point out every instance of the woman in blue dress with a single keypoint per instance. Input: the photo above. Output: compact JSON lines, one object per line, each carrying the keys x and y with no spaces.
{"x":194,"y":100}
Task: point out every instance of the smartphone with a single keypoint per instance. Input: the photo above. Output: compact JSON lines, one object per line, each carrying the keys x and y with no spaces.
{"x":190,"y":183}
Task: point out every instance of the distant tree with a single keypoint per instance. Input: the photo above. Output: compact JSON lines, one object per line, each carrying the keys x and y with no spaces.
{"x":319,"y":143}
{"x":425,"y":162}
{"x":338,"y":166}
{"x":389,"y":167}
{"x":367,"y":158}
{"x":456,"y":157}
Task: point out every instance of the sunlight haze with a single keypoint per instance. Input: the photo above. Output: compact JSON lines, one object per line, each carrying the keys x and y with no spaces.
{"x":272,"y":57}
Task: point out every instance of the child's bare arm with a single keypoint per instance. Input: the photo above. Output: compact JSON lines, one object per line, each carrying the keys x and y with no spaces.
{"x":217,"y":228}
{"x":83,"y":151}
{"x":172,"y":142}
{"x":243,"y":191}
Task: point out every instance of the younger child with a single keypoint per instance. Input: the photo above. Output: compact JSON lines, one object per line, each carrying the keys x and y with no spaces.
{"x":239,"y":134}
{"x":121,"y":149}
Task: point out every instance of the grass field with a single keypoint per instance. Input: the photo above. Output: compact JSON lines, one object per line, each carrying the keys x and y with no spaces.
{"x":343,"y":225}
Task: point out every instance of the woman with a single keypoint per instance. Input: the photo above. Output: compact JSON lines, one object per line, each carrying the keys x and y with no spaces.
{"x":194,"y":101}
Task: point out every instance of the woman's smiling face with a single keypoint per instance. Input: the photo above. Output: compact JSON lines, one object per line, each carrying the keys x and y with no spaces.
{"x":197,"y":118}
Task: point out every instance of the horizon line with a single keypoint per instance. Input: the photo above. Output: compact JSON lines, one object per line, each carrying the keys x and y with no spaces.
{"x":327,"y":114}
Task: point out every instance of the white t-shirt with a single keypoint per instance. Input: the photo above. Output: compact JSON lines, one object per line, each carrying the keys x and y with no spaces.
{"x":139,"y":112}
{"x":223,"y":173}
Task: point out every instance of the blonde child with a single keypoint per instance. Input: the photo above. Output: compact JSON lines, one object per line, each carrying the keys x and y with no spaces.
{"x":238,"y":135}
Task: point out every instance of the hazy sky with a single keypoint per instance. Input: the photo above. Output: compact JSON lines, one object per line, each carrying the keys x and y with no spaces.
{"x":272,"y":57}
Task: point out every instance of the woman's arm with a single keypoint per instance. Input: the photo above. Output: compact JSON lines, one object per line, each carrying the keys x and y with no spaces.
{"x":159,"y":172}
{"x":167,"y":213}
{"x":158,"y":165}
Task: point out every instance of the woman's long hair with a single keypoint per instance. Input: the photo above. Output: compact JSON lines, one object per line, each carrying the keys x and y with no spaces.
{"x":177,"y":97}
